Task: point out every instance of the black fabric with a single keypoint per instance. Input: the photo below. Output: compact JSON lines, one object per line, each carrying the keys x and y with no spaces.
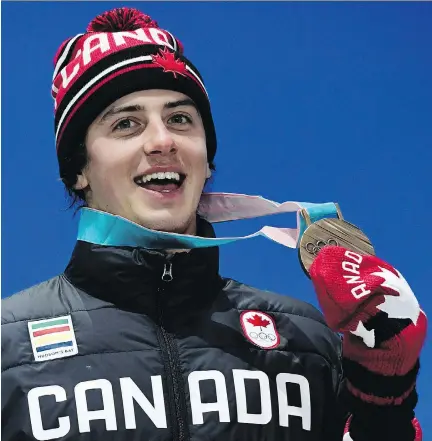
{"x":385,"y":328}
{"x":381,"y":386}
{"x":167,"y":360}
{"x":373,"y":422}
{"x":403,"y":412}
{"x":105,"y":272}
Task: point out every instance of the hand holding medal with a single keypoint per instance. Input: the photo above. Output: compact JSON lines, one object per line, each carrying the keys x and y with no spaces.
{"x":371,"y":304}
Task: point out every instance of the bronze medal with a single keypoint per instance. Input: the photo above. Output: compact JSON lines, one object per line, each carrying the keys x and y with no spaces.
{"x":330,"y":231}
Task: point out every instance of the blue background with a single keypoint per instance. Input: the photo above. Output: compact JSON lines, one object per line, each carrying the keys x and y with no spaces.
{"x":312,"y":102}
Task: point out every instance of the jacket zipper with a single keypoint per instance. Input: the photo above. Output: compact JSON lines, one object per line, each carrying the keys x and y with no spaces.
{"x":177,"y":401}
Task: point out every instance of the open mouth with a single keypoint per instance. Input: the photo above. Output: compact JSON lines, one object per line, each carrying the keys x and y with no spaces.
{"x":162,"y":182}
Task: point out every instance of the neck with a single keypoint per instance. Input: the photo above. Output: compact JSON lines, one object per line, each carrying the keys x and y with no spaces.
{"x":191,"y":230}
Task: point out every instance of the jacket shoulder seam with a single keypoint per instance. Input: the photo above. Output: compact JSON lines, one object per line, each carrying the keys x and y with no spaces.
{"x":13,"y":366}
{"x":58,"y":315}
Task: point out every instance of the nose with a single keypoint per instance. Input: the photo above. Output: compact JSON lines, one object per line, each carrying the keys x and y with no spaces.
{"x":159,"y":140}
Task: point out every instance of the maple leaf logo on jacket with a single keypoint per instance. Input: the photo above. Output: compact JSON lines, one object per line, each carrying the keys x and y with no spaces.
{"x":169,"y":63}
{"x":257,"y":320}
{"x":260,"y":329}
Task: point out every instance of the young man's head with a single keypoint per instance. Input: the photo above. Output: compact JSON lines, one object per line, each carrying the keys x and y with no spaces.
{"x":134,"y":130}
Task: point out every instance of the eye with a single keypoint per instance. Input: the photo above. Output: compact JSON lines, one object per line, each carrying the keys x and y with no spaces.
{"x":125,"y":124}
{"x":180,"y":118}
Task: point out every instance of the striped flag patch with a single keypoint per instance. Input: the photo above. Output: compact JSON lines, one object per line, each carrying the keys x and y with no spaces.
{"x":53,"y":338}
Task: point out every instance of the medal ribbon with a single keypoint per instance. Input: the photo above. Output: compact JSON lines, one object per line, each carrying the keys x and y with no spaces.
{"x":102,"y":228}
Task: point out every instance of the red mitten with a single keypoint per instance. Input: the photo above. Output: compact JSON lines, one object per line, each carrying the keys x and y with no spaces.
{"x":383,"y":327}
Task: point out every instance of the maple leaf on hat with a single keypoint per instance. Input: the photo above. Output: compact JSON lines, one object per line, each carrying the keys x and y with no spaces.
{"x":257,"y":320}
{"x":169,"y":63}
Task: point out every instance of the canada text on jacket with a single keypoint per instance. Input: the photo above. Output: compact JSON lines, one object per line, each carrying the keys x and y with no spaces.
{"x":155,"y":407}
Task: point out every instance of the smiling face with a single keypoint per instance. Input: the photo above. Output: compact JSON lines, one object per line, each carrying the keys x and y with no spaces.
{"x":147,"y":161}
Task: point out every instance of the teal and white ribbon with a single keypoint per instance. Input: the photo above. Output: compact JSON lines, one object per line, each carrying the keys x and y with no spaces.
{"x":102,"y":228}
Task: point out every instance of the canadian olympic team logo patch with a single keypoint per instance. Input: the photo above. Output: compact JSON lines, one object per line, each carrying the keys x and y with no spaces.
{"x":260,"y":329}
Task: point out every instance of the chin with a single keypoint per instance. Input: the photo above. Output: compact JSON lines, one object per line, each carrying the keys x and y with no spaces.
{"x":169,"y":223}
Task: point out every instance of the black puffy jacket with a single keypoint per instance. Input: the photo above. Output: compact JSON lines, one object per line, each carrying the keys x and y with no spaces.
{"x":129,"y":344}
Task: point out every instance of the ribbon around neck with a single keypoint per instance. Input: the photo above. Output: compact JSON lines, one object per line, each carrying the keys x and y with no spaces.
{"x":106,"y":229}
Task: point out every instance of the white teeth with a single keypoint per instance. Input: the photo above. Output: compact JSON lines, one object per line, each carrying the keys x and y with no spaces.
{"x":160,"y":175}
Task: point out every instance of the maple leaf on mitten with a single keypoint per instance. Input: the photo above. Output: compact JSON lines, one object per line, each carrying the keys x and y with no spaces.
{"x":371,"y":303}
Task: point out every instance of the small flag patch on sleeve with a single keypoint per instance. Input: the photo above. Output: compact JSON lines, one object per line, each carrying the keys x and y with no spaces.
{"x":53,"y":338}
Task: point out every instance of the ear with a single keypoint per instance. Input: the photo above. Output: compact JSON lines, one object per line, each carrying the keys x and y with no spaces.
{"x":82,"y":182}
{"x":209,"y":172}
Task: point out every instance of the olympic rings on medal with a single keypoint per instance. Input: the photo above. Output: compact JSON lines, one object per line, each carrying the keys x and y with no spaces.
{"x":319,"y":244}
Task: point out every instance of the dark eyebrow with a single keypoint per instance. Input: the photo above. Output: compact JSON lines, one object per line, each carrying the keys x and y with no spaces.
{"x":123,"y":109}
{"x":185,"y":102}
{"x":139,"y":108}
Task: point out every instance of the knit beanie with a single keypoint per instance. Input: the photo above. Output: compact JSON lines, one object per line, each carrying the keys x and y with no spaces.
{"x":121,"y":52}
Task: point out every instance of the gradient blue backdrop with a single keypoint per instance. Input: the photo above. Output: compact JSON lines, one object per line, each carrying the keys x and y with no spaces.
{"x":312,"y":101}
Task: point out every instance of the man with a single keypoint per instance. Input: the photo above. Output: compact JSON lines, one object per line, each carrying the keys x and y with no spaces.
{"x":138,"y":342}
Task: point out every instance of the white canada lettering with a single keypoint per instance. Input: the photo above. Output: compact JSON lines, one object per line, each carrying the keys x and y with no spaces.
{"x":139,"y":34}
{"x":154,"y":406}
{"x":68,"y":77}
{"x":304,"y":411}
{"x":198,"y":407}
{"x":36,"y":416}
{"x":351,"y":267}
{"x":131,"y":392}
{"x":160,"y":37}
{"x":354,"y":256}
{"x":96,"y":45}
{"x":353,"y":279}
{"x":101,"y":45}
{"x":243,"y":415}
{"x":107,"y":413}
{"x":359,"y":290}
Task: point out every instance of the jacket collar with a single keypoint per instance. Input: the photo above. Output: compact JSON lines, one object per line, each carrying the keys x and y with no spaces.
{"x":131,"y":277}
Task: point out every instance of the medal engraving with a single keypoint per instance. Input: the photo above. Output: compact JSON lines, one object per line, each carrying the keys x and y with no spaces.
{"x":330,"y":232}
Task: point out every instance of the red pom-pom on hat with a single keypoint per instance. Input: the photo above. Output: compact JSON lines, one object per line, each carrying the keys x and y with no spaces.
{"x":121,"y":19}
